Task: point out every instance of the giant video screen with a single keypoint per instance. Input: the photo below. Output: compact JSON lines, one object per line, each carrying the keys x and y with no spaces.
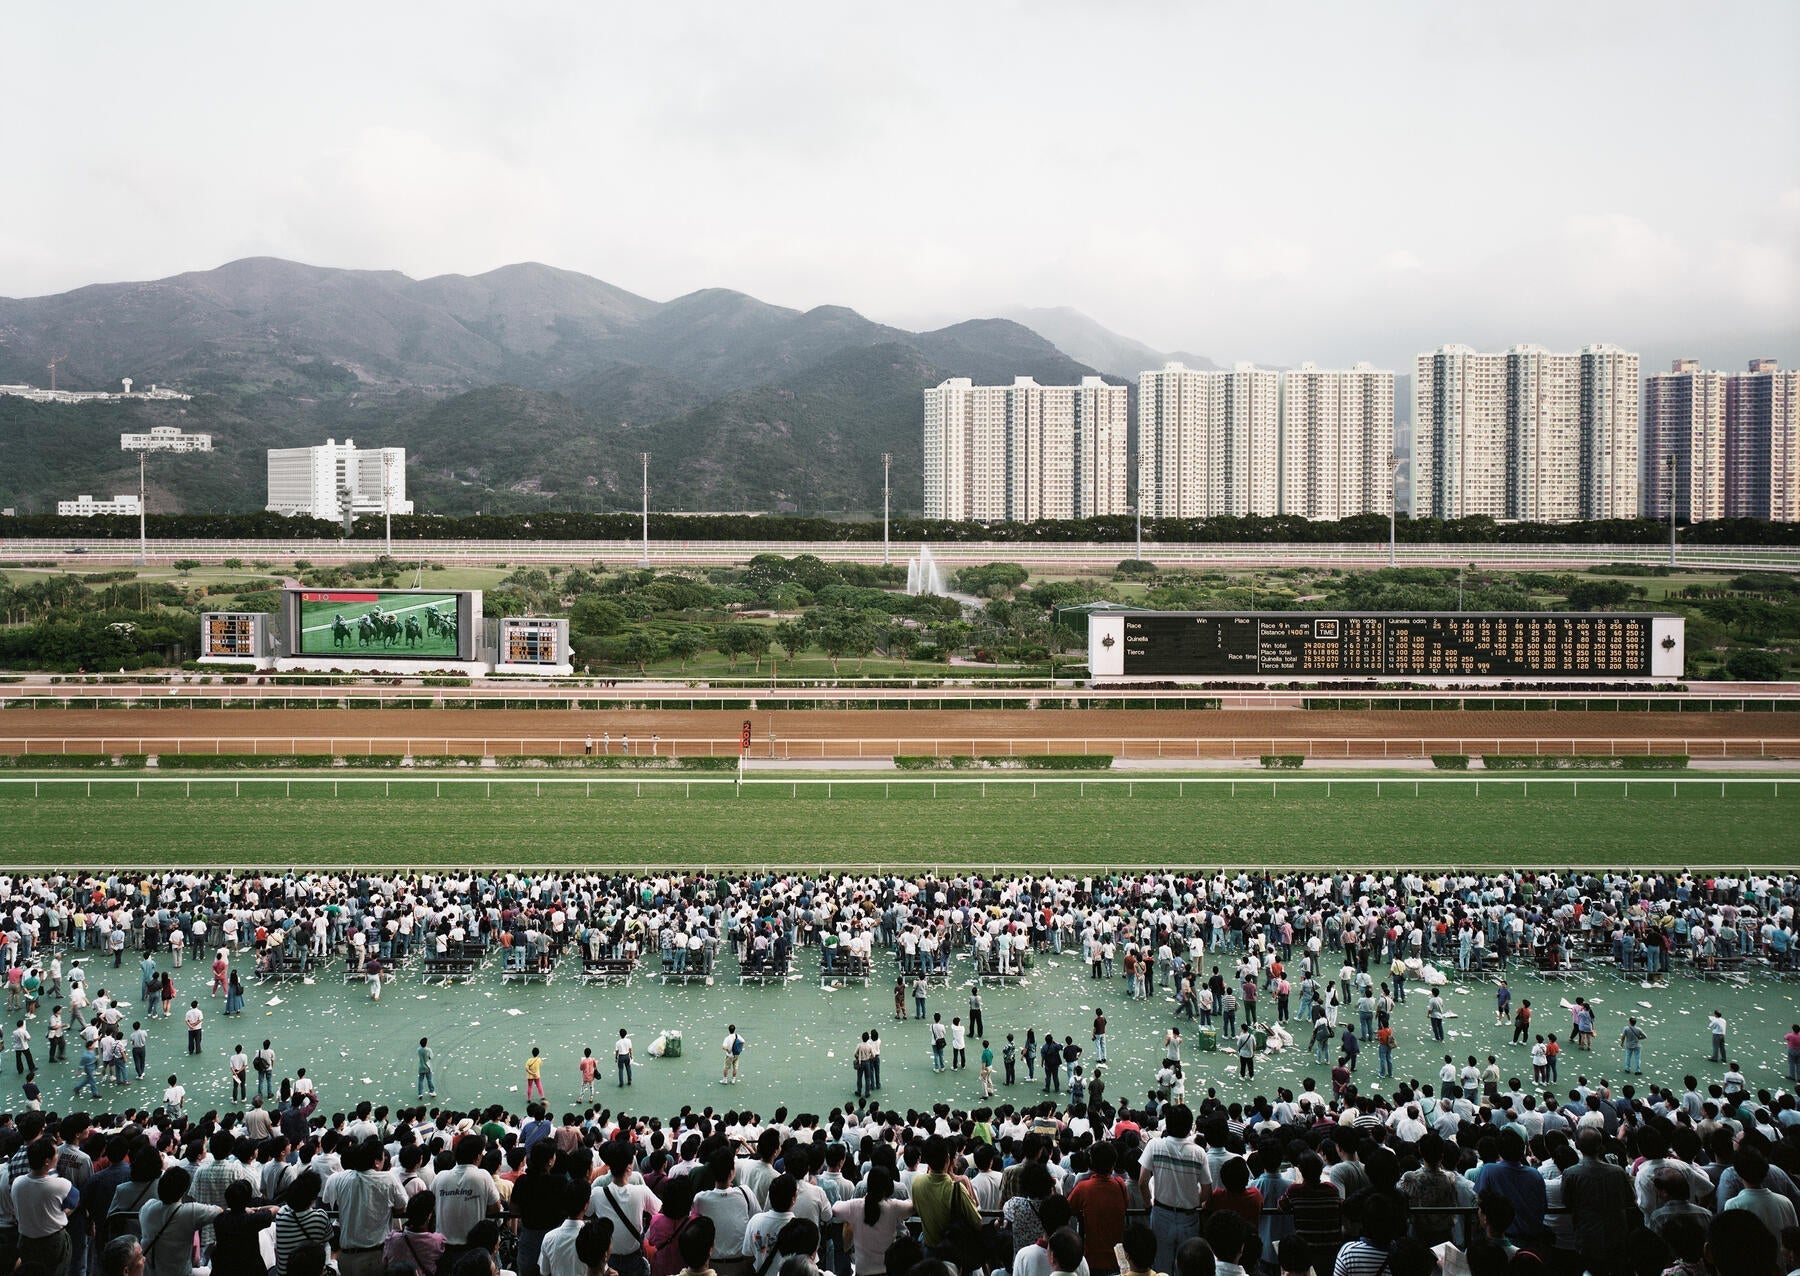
{"x":383,"y":624}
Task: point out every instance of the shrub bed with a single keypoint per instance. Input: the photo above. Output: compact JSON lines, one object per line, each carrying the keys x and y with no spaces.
{"x":1283,"y":761}
{"x":1013,"y":762}
{"x":1586,"y":762}
{"x":68,"y":761}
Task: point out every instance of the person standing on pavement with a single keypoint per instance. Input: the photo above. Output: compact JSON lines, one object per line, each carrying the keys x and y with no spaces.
{"x":622,"y":1057}
{"x":733,"y":1049}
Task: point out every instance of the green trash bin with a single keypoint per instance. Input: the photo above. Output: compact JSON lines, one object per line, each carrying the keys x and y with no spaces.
{"x":1262,"y":1039}
{"x":1209,"y":1038}
{"x":672,"y":1046}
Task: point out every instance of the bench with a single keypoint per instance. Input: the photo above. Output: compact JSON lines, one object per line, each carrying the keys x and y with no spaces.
{"x":280,"y":965}
{"x":457,"y":963}
{"x":696,"y":967}
{"x":606,"y":970}
{"x":766,"y":971}
{"x":915,"y":965}
{"x":1718,"y":967}
{"x":517,"y":967}
{"x":843,"y":967}
{"x":989,"y":971}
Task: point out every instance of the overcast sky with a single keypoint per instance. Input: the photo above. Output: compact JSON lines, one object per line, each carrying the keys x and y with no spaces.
{"x":1330,"y":181}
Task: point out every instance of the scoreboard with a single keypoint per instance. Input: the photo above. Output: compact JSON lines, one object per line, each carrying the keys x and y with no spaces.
{"x":533,"y":644}
{"x":233,"y":635}
{"x":1421,"y":645}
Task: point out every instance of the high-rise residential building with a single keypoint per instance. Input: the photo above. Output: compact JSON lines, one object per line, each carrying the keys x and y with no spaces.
{"x":1684,"y":430}
{"x":1762,"y":443}
{"x":323,"y":482}
{"x":1337,"y":441}
{"x":1252,"y":441}
{"x":1527,"y":434}
{"x":1209,"y":442}
{"x":1024,"y":452}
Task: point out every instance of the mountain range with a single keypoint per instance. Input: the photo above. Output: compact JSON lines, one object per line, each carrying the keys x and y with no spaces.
{"x":524,"y":388}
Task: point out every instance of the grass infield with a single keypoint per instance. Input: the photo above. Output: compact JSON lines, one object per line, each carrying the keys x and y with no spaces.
{"x":1009,"y":823}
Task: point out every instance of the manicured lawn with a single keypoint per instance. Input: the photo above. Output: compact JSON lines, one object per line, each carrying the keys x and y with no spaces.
{"x":1012,"y":822}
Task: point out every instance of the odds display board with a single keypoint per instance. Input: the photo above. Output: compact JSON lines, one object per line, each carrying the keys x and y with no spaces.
{"x":533,"y":644}
{"x":1584,"y":646}
{"x":234,"y":635}
{"x":382,"y":624}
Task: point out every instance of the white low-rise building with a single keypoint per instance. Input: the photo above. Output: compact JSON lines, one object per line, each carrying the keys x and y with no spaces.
{"x":165,"y":438}
{"x":85,"y":506}
{"x":321,"y":482}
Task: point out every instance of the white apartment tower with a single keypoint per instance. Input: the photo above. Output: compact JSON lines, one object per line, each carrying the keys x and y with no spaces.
{"x":1762,"y":443}
{"x":1250,"y":441}
{"x":1024,"y":452}
{"x":1684,"y":428}
{"x":1527,"y":434}
{"x":1209,"y":442}
{"x":321,"y":481}
{"x":1337,"y":438}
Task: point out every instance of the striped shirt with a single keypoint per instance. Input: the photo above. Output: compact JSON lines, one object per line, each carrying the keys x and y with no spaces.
{"x":294,"y":1229}
{"x":1178,"y":1172}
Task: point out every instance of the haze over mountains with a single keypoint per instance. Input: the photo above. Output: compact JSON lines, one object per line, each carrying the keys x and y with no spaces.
{"x":523,"y":388}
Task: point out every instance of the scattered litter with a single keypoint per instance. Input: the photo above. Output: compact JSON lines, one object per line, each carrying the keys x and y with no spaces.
{"x":1651,"y":1006}
{"x":308,"y":980}
{"x":368,"y":1080}
{"x":514,"y":1010}
{"x":273,"y":1001}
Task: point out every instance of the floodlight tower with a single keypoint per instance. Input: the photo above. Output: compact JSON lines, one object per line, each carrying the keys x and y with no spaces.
{"x":887,"y":461}
{"x":645,"y":560}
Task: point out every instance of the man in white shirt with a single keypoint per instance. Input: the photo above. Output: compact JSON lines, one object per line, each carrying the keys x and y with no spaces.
{"x":557,"y":1257}
{"x":760,"y":1232}
{"x":465,"y":1192}
{"x":626,"y":1205}
{"x":1175,"y":1177}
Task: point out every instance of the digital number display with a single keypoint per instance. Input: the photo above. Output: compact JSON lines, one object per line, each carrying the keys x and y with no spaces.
{"x":532,"y":645}
{"x":229,"y":635}
{"x":1310,"y":644}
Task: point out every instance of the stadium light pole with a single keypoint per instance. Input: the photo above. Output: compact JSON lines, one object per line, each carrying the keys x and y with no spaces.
{"x":143,"y":526}
{"x":387,"y":497}
{"x":1669,"y":463}
{"x":645,"y":560}
{"x":1393,"y":503}
{"x":887,"y":460}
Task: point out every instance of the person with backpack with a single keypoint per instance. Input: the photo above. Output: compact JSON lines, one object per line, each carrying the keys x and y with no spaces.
{"x":733,"y":1049}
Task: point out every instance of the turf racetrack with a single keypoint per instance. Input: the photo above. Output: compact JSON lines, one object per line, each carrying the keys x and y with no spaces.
{"x":1021,"y":824}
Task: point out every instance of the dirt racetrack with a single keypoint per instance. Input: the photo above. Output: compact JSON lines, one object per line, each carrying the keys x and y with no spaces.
{"x":802,"y":734}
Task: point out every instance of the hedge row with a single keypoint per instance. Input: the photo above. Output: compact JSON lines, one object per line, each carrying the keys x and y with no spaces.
{"x":1586,"y":762}
{"x":426,"y":762}
{"x":67,"y":761}
{"x":616,"y":762}
{"x":1450,"y":761}
{"x":1283,"y":761}
{"x":1006,"y":762}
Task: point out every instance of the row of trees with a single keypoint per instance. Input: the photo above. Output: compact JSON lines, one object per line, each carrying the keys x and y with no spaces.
{"x":746,"y":527}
